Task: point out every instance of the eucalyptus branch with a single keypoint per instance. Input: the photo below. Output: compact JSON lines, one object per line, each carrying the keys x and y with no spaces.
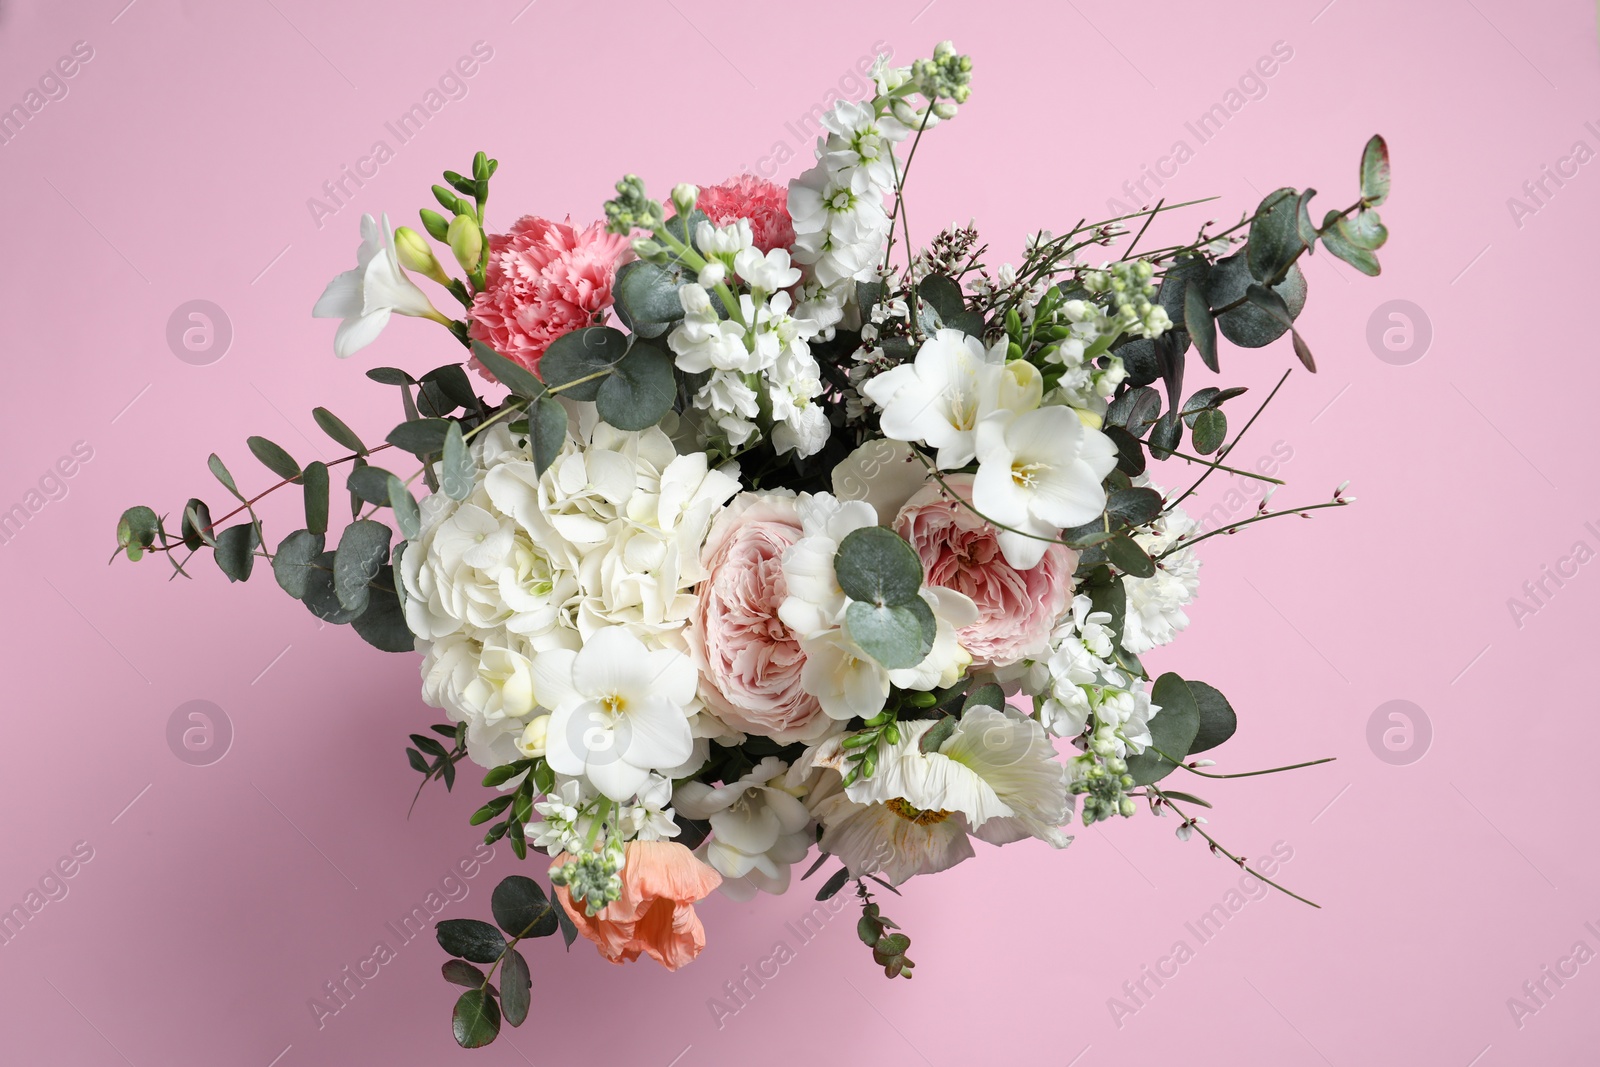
{"x":1192,"y":769}
{"x":1194,"y":825}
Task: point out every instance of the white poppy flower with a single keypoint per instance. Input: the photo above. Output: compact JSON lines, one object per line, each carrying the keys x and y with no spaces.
{"x":365,"y":297}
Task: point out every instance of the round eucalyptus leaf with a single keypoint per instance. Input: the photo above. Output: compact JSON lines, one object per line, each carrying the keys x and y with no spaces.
{"x":876,"y":565}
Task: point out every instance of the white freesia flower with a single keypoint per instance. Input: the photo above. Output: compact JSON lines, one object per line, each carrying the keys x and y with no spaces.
{"x":941,"y":396}
{"x":366,"y":296}
{"x":995,"y":777}
{"x":758,"y":828}
{"x":618,"y":710}
{"x":1039,"y":472}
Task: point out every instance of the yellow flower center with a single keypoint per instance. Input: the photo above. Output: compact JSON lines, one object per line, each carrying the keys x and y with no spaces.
{"x":614,"y":704}
{"x":1026,"y":475}
{"x":916,"y":815}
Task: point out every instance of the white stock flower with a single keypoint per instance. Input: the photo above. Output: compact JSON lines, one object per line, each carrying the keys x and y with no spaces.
{"x":617,"y":710}
{"x":1155,"y":604}
{"x":366,"y":296}
{"x":758,"y":828}
{"x":769,"y":272}
{"x":839,"y":223}
{"x":1039,"y":472}
{"x":727,"y":240}
{"x":704,"y":341}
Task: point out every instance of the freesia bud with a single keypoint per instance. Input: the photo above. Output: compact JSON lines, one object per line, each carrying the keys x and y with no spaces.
{"x":415,"y":254}
{"x":1089,"y":418}
{"x":535,"y":736}
{"x":466,"y":242}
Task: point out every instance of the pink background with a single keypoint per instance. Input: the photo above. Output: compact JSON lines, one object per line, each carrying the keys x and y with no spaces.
{"x":220,"y":898}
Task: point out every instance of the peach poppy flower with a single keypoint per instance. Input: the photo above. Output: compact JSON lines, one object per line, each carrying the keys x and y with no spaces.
{"x":661,"y":880}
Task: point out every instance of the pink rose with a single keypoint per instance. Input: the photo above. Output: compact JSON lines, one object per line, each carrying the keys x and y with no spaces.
{"x":544,"y":279}
{"x":1016,"y":609}
{"x":749,"y":660}
{"x":747,"y":197}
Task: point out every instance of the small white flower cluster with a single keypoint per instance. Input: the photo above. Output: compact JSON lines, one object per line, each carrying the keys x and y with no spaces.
{"x":1131,"y":291}
{"x":1155,"y":604}
{"x":765,"y":346}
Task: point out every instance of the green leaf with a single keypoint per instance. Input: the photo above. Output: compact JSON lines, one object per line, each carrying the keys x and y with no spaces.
{"x":420,"y":437}
{"x":321,"y":599}
{"x":418,"y":762}
{"x":1200,"y":324}
{"x":390,"y":376}
{"x":1134,"y":507}
{"x":453,"y":382}
{"x":1273,"y":306}
{"x":1274,"y":239}
{"x":460,"y":469}
{"x":476,"y":1019}
{"x":1111,"y":597}
{"x":315,"y":483}
{"x":834,"y":883}
{"x":940,"y":732}
{"x":522,"y":909}
{"x":382,"y":623}
{"x":221,"y":471}
{"x":1172,"y":730}
{"x":363,"y":548}
{"x":407,"y":515}
{"x":1126,"y":555}
{"x":236,"y":551}
{"x":138,"y":528}
{"x":370,"y":484}
{"x":583,"y":354}
{"x":1130,"y":453}
{"x":1166,"y":435}
{"x":274,"y":458}
{"x":514,"y":376}
{"x":1375,"y":171}
{"x":515,"y":987}
{"x":1336,"y":239}
{"x":547,"y":431}
{"x":1217,"y":719}
{"x":291,"y":564}
{"x":876,"y":565}
{"x":944,"y":294}
{"x":1365,"y":230}
{"x":1305,"y":230}
{"x":639,"y":390}
{"x":196,"y":526}
{"x":1210,"y":430}
{"x":646,"y":298}
{"x":985,"y":696}
{"x":460,"y":972}
{"x":1135,"y":410}
{"x":470,"y":939}
{"x":897,"y":637}
{"x":335,"y":428}
{"x":569,"y":929}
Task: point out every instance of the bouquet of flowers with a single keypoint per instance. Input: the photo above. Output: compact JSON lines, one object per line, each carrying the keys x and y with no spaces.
{"x":749,"y":542}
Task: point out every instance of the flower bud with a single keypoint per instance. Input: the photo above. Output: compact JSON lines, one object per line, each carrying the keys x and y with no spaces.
{"x":1088,"y":418}
{"x":466,"y":242}
{"x":535,"y":736}
{"x":684,"y":197}
{"x":413,"y":251}
{"x":712,"y":274}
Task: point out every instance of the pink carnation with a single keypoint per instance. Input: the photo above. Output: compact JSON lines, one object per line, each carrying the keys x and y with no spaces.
{"x":1016,"y":609}
{"x":747,"y":197}
{"x":544,"y":279}
{"x":751,"y":661}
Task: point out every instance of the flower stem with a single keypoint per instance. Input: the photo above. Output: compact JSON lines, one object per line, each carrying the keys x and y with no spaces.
{"x":1215,"y":847}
